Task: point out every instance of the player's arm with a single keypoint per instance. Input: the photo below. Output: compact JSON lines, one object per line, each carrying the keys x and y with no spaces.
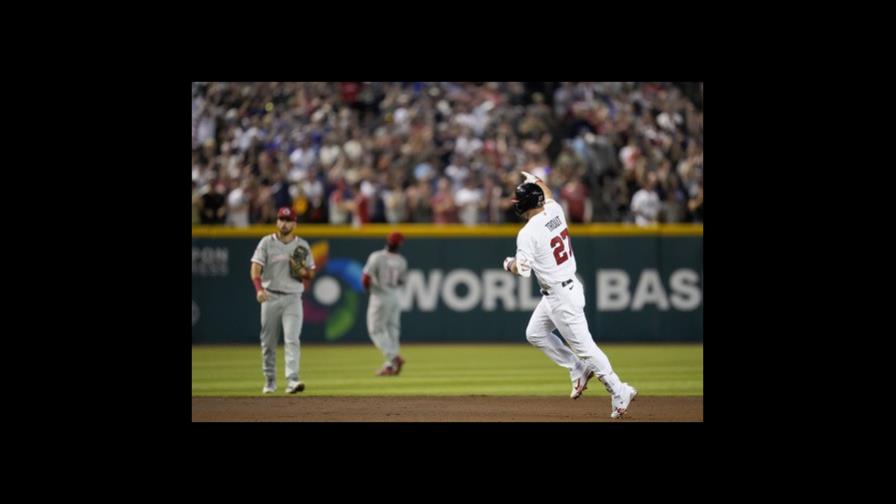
{"x":520,"y":265}
{"x":368,"y":275}
{"x":308,"y":273}
{"x":540,"y":183}
{"x":259,"y":259}
{"x":547,"y":191}
{"x":255,"y":275}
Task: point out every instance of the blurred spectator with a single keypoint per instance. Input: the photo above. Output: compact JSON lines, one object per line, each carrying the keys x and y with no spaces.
{"x":444,"y":210}
{"x":673,"y":197}
{"x":301,"y":159}
{"x":691,"y":168}
{"x":261,"y":206}
{"x":646,"y":203}
{"x":299,"y":200}
{"x":469,"y":201}
{"x":213,"y":209}
{"x":280,"y":191}
{"x":317,"y":210}
{"x":197,"y":203}
{"x":363,"y":192}
{"x":341,"y":203}
{"x":695,"y":205}
{"x":576,"y":202}
{"x":508,"y":190}
{"x":238,"y":204}
{"x":418,"y":200}
{"x":491,"y":199}
{"x":675,"y":200}
{"x":395,"y":203}
{"x":457,"y":171}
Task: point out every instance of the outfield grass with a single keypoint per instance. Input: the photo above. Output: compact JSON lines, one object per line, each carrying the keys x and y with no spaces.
{"x":499,"y":369}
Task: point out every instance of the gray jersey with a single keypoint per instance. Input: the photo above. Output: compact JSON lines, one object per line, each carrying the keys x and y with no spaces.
{"x":388,"y":272}
{"x":273,"y":256}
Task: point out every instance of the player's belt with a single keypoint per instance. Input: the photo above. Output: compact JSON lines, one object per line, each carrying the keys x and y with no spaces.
{"x":547,"y":292}
{"x":281,"y":293}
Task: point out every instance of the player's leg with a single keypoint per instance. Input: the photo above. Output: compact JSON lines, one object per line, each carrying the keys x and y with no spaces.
{"x":270,"y":332}
{"x":567,"y":313}
{"x":374,"y":321}
{"x":377,"y":328}
{"x":393,"y":324}
{"x":292,"y":329}
{"x":539,"y":333}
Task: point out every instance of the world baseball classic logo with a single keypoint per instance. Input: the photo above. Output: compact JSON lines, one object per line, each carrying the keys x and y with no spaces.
{"x":335,"y":293}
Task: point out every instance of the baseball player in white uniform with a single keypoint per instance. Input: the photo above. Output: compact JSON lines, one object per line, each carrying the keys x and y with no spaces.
{"x":544,"y":247}
{"x":384,"y":275}
{"x":279,"y":283}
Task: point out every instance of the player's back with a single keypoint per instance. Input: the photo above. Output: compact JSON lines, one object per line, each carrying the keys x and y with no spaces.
{"x":388,"y":269}
{"x":546,"y":243}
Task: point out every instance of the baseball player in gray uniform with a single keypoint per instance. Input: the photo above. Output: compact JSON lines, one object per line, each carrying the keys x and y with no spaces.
{"x":280,"y":265}
{"x":544,"y":248}
{"x":384,"y":274}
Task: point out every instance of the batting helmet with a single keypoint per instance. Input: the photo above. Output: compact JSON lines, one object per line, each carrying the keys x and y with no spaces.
{"x":527,"y":197}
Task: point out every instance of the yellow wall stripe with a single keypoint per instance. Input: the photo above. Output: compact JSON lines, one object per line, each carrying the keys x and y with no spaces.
{"x":444,"y":230}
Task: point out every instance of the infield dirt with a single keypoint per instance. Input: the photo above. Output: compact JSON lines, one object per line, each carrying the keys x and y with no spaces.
{"x":441,"y":409}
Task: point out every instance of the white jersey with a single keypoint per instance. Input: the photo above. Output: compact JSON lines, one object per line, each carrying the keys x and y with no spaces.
{"x":273,"y":256}
{"x":388,"y":272}
{"x":544,"y":246}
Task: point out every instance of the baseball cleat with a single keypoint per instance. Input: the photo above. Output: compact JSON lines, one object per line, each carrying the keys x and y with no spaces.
{"x":397,"y":362}
{"x":620,"y":403}
{"x":386,"y":371}
{"x":269,"y":387}
{"x":295,"y":386}
{"x":580,"y":385}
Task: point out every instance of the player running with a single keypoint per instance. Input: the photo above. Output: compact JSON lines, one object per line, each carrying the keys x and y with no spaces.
{"x":544,"y":246}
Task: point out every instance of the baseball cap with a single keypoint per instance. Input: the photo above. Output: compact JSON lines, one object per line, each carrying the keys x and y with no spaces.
{"x":286,"y":213}
{"x":395,"y":238}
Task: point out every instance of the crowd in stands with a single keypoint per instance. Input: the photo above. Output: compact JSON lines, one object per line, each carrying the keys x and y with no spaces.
{"x":445,"y":152}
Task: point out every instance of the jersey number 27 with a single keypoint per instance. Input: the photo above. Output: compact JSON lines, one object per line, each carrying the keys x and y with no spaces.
{"x":559,"y":249}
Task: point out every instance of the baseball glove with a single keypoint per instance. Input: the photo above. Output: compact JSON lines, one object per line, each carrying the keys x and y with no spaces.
{"x":299,"y":258}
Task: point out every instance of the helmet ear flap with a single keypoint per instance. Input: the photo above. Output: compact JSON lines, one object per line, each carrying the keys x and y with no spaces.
{"x":515,"y":204}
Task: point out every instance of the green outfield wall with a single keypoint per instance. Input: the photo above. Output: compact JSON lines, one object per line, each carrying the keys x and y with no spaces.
{"x":641,"y":284}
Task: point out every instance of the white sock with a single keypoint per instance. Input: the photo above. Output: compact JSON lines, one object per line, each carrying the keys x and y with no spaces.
{"x":612,"y":383}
